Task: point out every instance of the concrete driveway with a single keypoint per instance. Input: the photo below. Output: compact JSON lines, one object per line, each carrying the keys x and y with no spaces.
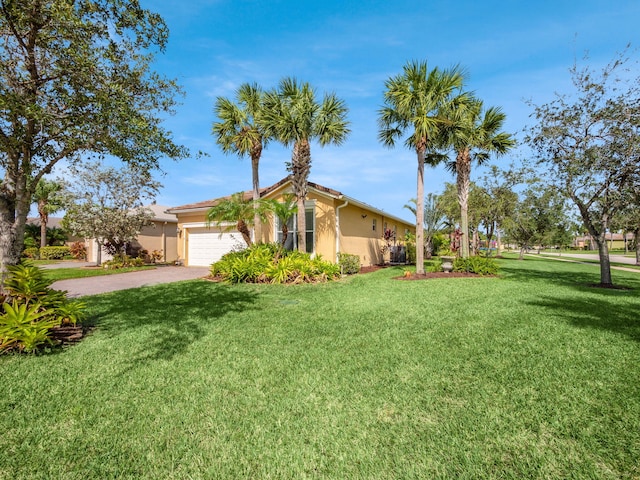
{"x":78,"y":287}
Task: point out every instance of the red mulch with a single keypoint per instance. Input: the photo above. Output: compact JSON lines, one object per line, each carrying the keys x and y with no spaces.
{"x":427,"y":276}
{"x":424,"y":276}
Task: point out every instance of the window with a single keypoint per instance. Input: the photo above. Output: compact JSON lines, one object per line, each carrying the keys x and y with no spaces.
{"x":289,"y":244}
{"x":374,"y":224}
{"x":310,"y":220}
{"x":292,"y":224}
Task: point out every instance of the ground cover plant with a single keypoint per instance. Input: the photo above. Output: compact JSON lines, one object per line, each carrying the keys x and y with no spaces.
{"x":532,"y":374}
{"x":33,"y":311}
{"x":270,"y":263}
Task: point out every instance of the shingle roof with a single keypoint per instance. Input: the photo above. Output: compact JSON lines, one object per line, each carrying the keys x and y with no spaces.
{"x":206,"y":204}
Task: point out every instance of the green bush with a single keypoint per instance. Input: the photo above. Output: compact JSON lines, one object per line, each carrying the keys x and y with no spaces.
{"x":477,"y":265}
{"x":34,"y":310}
{"x":54,"y":253}
{"x":349,"y":263}
{"x":123,"y":261}
{"x":267,"y":263}
{"x":31,"y":252}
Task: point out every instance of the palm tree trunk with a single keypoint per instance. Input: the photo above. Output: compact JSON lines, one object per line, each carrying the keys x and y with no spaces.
{"x":43,"y":223}
{"x":244,"y":231}
{"x":300,"y":168}
{"x":255,"y":161}
{"x":420,"y":151}
{"x":463,"y":174}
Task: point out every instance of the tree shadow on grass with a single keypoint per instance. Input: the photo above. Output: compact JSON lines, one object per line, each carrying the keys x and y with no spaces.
{"x":175,"y":315}
{"x":602,"y":312}
{"x":561,"y":273}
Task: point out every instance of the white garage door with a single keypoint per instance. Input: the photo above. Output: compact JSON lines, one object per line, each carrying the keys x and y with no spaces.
{"x":207,"y":246}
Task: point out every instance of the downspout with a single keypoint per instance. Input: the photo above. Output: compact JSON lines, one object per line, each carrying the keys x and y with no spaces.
{"x":346,"y":202}
{"x":184,"y":245}
{"x":164,"y":243}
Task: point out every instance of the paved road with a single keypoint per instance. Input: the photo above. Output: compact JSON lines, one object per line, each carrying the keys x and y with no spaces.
{"x":78,"y":287}
{"x":593,"y":256}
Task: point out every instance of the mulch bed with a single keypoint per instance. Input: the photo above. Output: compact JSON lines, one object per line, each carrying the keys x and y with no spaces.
{"x":68,"y":334}
{"x":429,"y":275}
{"x":424,"y":276}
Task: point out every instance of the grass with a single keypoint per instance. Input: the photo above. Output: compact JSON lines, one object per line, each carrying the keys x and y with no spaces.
{"x":531,"y":375}
{"x":56,"y":274}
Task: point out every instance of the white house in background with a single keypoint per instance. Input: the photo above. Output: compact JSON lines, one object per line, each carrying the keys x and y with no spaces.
{"x":161,"y":236}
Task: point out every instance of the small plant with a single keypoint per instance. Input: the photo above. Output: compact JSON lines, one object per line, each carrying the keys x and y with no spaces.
{"x":349,"y":263}
{"x":123,"y":261}
{"x":78,"y":250}
{"x":32,"y":310}
{"x":156,"y":256}
{"x":24,"y":327}
{"x":477,"y":265}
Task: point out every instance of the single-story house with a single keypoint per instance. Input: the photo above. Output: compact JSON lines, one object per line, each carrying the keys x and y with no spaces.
{"x":335,"y":222}
{"x":614,"y":240}
{"x":161,"y":235}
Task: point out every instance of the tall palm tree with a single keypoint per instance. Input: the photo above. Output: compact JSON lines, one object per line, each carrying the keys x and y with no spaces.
{"x":47,"y":196}
{"x":240,"y":131}
{"x":474,"y":135}
{"x":239,"y":211}
{"x":294,"y":116}
{"x":413,"y":102}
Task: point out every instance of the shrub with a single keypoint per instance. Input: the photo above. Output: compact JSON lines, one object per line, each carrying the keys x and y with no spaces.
{"x":34,"y":310}
{"x":123,"y":261}
{"x":477,"y":265}
{"x":78,"y":250}
{"x":266,"y":263}
{"x":54,"y":253}
{"x":31,"y":252}
{"x":349,"y":263}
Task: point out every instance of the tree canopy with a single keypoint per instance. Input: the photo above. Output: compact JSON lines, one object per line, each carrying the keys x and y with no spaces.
{"x":107,"y":204}
{"x":75,"y":81}
{"x":588,"y":144}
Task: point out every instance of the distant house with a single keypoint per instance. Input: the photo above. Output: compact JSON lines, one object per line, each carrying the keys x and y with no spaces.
{"x":614,"y":240}
{"x":335,"y":222}
{"x":160,"y":236}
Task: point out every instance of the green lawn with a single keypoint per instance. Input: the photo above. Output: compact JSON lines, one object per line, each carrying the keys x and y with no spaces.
{"x":56,"y":274}
{"x":530,"y":375}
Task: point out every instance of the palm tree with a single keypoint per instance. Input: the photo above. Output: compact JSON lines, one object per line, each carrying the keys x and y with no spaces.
{"x":239,"y":211}
{"x":46,"y":196}
{"x":474,"y":135}
{"x":284,"y":211}
{"x":413,"y":102}
{"x":433,"y":219}
{"x":240,"y":132}
{"x":293,"y":115}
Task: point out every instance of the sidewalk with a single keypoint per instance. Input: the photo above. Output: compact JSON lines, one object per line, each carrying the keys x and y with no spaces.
{"x":572,"y":259}
{"x":79,"y":287}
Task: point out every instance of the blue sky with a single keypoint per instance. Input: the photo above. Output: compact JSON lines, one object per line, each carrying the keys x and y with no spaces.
{"x":513,"y":50}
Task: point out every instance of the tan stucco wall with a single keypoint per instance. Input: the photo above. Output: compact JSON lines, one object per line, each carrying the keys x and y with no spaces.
{"x":161,"y":236}
{"x":358,"y":237}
